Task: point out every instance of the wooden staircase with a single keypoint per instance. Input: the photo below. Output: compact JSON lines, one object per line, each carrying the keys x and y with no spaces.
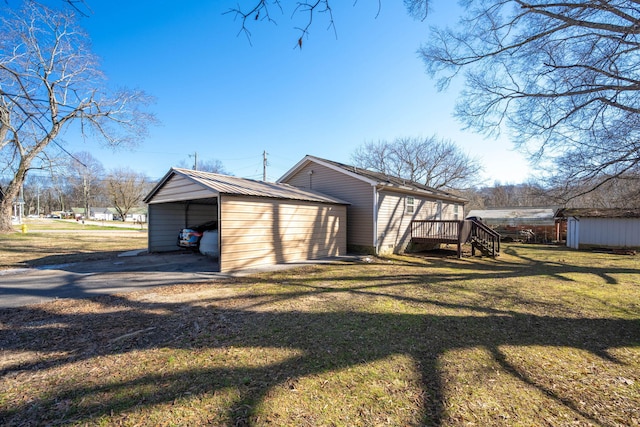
{"x":484,"y":239}
{"x":481,"y":237}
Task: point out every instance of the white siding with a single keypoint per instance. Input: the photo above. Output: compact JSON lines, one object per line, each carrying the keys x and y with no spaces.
{"x":614,"y":232}
{"x":394,"y":222}
{"x":573,"y":233}
{"x":360,"y":195}
{"x":260,"y":231}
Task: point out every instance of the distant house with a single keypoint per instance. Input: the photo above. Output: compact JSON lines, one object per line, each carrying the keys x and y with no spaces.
{"x":615,"y":228}
{"x":99,"y":214}
{"x":381,"y":207}
{"x":531,"y":224}
{"x":137,"y":215}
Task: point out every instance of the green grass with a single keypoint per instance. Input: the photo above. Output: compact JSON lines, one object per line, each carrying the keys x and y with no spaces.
{"x":541,"y":336}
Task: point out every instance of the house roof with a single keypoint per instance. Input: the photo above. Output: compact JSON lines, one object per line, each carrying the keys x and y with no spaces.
{"x":376,"y":178}
{"x":515,"y":215}
{"x":225,"y":184}
{"x":597,"y":213}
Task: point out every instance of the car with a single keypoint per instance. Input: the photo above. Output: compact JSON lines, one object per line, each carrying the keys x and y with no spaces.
{"x":190,"y":237}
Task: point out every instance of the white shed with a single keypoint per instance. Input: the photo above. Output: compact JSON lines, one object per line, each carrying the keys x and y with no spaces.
{"x":615,"y":228}
{"x":258,"y":223}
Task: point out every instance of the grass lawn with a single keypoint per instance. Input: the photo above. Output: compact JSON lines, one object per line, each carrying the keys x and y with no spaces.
{"x":540,"y":336}
{"x":50,"y":241}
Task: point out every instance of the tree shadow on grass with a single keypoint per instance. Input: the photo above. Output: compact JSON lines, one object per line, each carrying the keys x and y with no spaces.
{"x":321,"y":342}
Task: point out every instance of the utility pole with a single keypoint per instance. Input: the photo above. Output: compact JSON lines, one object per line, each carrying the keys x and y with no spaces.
{"x":264,"y":166}
{"x":195,"y":160}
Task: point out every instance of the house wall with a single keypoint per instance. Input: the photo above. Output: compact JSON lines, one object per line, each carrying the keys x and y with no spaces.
{"x":360,"y":195}
{"x":612,"y":232}
{"x":258,"y":231}
{"x":394,"y":220}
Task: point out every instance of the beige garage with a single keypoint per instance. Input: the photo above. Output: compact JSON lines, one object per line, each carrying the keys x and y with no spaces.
{"x":257,"y":223}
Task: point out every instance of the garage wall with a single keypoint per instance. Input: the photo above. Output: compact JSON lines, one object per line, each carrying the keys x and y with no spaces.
{"x":179,"y":188}
{"x":259,"y":231}
{"x":165,"y":221}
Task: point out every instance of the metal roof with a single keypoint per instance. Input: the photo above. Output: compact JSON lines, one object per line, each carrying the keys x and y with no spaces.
{"x":515,"y":215}
{"x":598,"y":213}
{"x":225,"y":184}
{"x":380,"y":179}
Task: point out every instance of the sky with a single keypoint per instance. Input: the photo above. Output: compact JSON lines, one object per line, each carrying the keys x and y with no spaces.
{"x":225,"y":97}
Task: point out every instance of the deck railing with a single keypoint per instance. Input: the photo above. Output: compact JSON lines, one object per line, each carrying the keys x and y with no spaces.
{"x":447,"y":231}
{"x":456,"y":232}
{"x":487,"y":238}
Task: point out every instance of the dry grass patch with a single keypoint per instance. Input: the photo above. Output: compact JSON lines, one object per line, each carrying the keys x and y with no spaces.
{"x":541,"y":336}
{"x":61,"y":242}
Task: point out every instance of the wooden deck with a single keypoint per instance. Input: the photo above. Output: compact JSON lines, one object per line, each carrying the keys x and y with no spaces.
{"x":432,"y":231}
{"x":457,"y":233}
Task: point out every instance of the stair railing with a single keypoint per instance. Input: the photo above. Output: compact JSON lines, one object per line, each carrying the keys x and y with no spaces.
{"x":485,"y":238}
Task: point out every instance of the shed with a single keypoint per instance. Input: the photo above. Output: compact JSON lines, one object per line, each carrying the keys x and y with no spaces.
{"x":258,"y":223}
{"x":532,"y":224}
{"x":381,"y":207}
{"x":614,"y":228}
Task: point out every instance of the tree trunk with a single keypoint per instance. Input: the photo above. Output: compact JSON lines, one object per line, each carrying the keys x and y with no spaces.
{"x":6,"y":209}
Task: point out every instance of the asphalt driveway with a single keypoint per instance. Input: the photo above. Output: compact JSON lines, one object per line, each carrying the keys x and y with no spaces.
{"x":19,"y":287}
{"x":128,"y":272}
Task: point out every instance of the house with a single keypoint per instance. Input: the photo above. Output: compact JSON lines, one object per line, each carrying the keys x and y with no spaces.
{"x":381,"y":207}
{"x":256,"y":223}
{"x":137,"y":215}
{"x":98,"y":214}
{"x":615,"y":228}
{"x":530,"y":224}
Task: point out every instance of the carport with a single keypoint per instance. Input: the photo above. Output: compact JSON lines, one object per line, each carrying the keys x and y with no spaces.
{"x":257,"y":223}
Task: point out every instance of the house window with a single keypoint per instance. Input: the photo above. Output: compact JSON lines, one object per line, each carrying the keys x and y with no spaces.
{"x":410,"y":205}
{"x":455,"y":212}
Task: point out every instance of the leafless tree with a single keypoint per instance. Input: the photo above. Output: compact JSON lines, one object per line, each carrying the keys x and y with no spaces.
{"x":126,"y":189}
{"x":49,"y":79}
{"x":212,"y":165}
{"x":84,"y":174}
{"x":563,"y":76}
{"x":437,"y":163}
{"x":306,"y":11}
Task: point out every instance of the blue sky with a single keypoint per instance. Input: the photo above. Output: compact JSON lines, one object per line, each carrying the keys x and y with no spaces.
{"x":224,"y":98}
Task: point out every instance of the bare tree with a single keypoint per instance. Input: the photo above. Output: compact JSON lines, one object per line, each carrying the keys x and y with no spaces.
{"x":304,"y":13}
{"x":84,"y":174}
{"x":212,"y":165}
{"x":49,"y":79}
{"x":563,"y":76}
{"x":437,"y":163}
{"x":126,"y":190}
